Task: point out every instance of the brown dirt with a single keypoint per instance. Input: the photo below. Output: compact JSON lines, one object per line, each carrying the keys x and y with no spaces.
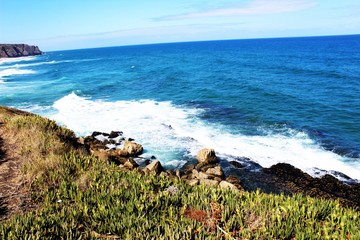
{"x":14,"y":196}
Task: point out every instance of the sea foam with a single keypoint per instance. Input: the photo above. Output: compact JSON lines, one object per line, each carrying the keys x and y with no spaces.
{"x":175,"y":133}
{"x":15,"y":71}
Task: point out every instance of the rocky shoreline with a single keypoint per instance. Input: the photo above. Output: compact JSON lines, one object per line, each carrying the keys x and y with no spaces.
{"x":18,"y":50}
{"x":208,"y":169}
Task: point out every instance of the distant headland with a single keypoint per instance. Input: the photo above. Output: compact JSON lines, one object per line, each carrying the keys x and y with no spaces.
{"x":18,"y":50}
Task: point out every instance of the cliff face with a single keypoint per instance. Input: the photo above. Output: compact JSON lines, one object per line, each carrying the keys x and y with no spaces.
{"x":18,"y":50}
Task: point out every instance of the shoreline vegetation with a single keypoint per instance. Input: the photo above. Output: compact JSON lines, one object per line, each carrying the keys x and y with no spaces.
{"x":54,"y":185}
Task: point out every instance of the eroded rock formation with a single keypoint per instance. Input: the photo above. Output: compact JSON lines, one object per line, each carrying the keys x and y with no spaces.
{"x":18,"y":50}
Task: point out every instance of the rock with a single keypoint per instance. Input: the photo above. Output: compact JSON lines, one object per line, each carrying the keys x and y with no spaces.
{"x":207,"y":155}
{"x":96,"y":133}
{"x":132,"y":148}
{"x":164,"y":174}
{"x":199,"y":175}
{"x":294,"y":180}
{"x":18,"y":50}
{"x":155,"y":166}
{"x":235,"y":181}
{"x":209,"y":182}
{"x":188,"y":169}
{"x":178,"y":173}
{"x":101,"y":154}
{"x":204,"y":166}
{"x":237,"y":164}
{"x":193,"y":182}
{"x":130,"y":164}
{"x":115,"y":134}
{"x":225,"y":184}
{"x":215,"y":171}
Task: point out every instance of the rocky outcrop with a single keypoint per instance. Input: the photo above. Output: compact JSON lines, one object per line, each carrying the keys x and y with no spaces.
{"x":294,"y":180}
{"x":208,"y":172}
{"x":113,"y":147}
{"x":280,"y":178}
{"x":18,"y":50}
{"x":207,"y":155}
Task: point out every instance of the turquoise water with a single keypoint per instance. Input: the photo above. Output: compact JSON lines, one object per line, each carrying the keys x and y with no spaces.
{"x":294,"y":100}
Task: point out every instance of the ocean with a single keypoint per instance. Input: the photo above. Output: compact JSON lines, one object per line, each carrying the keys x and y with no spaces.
{"x":292,"y":100}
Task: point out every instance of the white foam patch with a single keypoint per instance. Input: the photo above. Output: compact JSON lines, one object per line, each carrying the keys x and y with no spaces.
{"x":13,"y":60}
{"x":171,"y":133}
{"x":15,"y":71}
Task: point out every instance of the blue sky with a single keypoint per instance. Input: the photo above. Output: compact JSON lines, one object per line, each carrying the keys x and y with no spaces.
{"x":73,"y":24}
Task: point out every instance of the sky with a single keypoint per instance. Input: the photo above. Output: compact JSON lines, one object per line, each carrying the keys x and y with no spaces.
{"x":74,"y":24}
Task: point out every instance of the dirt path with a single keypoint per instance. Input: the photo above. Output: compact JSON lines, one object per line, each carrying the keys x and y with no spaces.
{"x":13,"y":194}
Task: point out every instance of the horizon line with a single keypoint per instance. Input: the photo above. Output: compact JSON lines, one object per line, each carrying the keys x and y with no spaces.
{"x":206,"y":40}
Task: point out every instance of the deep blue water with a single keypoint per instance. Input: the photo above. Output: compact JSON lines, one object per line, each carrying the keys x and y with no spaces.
{"x":293,"y":100}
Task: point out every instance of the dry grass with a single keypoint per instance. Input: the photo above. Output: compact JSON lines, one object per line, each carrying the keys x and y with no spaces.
{"x":39,"y":142}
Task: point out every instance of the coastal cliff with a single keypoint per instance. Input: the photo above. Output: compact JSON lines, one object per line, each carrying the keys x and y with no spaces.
{"x":18,"y":50}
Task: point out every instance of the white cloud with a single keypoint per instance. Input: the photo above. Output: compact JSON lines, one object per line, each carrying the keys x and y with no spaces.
{"x":255,"y":7}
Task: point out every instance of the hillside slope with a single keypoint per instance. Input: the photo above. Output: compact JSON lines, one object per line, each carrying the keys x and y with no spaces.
{"x":72,"y":195}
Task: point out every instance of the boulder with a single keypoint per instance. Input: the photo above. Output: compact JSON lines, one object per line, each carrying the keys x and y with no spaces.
{"x":207,"y":155}
{"x":225,"y":184}
{"x":199,"y":175}
{"x":209,"y":182}
{"x":193,"y":182}
{"x":215,"y":171}
{"x":188,"y":169}
{"x":132,"y":148}
{"x":154,"y":166}
{"x":130,"y":164}
{"x":115,"y":134}
{"x":234,"y":181}
{"x":204,"y":166}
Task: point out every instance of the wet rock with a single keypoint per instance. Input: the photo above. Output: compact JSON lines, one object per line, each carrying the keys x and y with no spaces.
{"x":96,"y":133}
{"x":115,"y":134}
{"x":293,"y":180}
{"x":207,"y":155}
{"x":237,"y":164}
